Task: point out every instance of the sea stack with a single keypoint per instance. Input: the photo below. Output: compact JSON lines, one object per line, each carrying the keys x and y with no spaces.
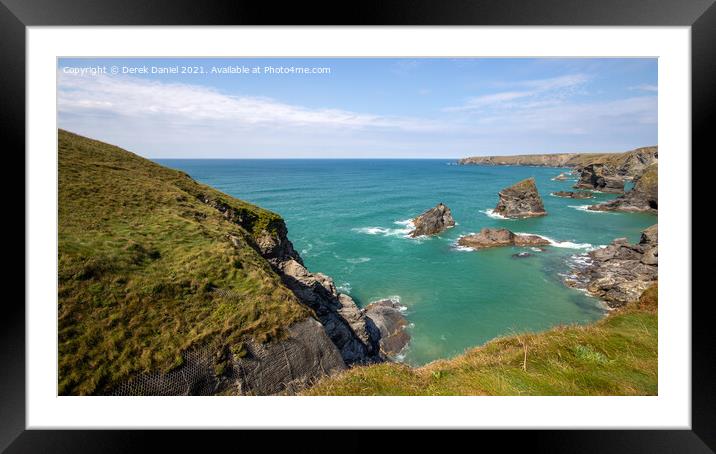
{"x":643,"y":198}
{"x":433,"y":221}
{"x":521,"y":200}
{"x":600,"y":177}
{"x":500,"y":237}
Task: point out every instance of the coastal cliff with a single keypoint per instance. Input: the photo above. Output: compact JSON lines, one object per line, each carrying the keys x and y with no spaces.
{"x":167,"y":286}
{"x":643,"y":198}
{"x":626,"y":164}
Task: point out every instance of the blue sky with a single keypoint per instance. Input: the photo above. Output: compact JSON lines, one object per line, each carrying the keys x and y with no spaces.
{"x":363,"y":108}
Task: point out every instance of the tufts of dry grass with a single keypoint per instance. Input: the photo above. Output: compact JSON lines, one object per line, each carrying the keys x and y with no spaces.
{"x":615,"y":356}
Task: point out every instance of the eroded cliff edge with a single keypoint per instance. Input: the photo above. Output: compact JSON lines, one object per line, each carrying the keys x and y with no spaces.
{"x":169,"y":287}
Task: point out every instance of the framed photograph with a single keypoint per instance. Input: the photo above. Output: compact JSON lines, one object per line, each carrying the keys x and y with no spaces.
{"x":444,"y":217}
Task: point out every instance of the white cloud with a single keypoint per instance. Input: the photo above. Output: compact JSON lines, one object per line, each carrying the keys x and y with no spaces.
{"x":138,"y":98}
{"x":553,"y":87}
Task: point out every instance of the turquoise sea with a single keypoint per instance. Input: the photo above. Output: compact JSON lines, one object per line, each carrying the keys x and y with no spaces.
{"x":347,"y":219}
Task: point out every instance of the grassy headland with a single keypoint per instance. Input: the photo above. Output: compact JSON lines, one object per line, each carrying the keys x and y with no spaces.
{"x":615,"y":356}
{"x":148,"y":270}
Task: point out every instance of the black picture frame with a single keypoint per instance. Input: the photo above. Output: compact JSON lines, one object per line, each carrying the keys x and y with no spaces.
{"x":700,"y":15}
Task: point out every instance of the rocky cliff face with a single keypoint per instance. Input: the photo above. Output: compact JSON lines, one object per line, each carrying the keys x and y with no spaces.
{"x":521,"y":200}
{"x":600,"y":177}
{"x":433,"y":221}
{"x":488,"y":238}
{"x":169,"y":287}
{"x":388,"y":318}
{"x":627,"y":165}
{"x":643,"y":198}
{"x":620,"y":272}
{"x":347,"y":326}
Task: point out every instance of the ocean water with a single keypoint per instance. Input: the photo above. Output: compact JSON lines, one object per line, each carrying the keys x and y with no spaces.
{"x":349,"y":218}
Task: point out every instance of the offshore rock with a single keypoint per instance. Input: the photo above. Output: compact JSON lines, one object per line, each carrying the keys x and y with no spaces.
{"x":521,"y":200}
{"x":433,"y":221}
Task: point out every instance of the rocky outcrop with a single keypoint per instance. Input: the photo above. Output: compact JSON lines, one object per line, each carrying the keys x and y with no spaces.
{"x":433,"y":221}
{"x":620,"y":272}
{"x":627,"y":165}
{"x":347,"y":326}
{"x":599,"y":177}
{"x":539,"y":160}
{"x":643,"y":198}
{"x":388,"y":318}
{"x":285,"y":366}
{"x":488,"y":238}
{"x":573,"y":195}
{"x":521,"y":200}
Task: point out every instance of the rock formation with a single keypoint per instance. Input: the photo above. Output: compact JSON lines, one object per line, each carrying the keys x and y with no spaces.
{"x":643,"y":198}
{"x":433,"y":221}
{"x":620,"y":272}
{"x":521,"y":200}
{"x":388,"y":318}
{"x":627,"y":165}
{"x":573,"y":195}
{"x":600,"y":177}
{"x":500,"y":237}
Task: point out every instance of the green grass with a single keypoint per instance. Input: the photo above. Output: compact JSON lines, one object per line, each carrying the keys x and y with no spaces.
{"x":147,"y":270}
{"x":615,"y":356}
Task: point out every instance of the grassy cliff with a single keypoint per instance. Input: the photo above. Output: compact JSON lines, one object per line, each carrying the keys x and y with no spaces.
{"x":615,"y":356}
{"x":148,"y":269}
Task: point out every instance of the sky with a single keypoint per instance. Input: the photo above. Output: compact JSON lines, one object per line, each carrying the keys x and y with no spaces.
{"x":360,"y":107}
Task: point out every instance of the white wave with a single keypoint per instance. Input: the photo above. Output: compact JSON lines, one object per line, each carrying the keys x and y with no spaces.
{"x":345,"y":287}
{"x":458,"y":247}
{"x":585,"y":208}
{"x":536,"y":249}
{"x":562,"y":244}
{"x":358,"y":260}
{"x":407,"y":224}
{"x":491,"y":213}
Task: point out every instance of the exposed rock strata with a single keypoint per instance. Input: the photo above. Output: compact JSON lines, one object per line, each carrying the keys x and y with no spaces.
{"x":488,"y":238}
{"x":573,"y":195}
{"x":643,"y":198}
{"x":599,"y":177}
{"x":620,"y":272}
{"x":521,"y":200}
{"x":433,"y":221}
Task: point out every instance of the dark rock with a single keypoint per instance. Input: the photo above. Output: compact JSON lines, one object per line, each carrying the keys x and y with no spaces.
{"x":499,"y":237}
{"x":388,"y":318}
{"x":643,"y":198}
{"x":433,"y":221}
{"x":521,"y":255}
{"x":573,"y":195}
{"x":600,"y":177}
{"x":620,"y":272}
{"x":520,"y":200}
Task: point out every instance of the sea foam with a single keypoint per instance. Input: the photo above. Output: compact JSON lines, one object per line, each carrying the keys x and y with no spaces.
{"x":491,"y":213}
{"x":562,"y":244}
{"x":407,"y":224}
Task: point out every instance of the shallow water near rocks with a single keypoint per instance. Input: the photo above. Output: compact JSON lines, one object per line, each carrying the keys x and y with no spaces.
{"x":349,"y":218}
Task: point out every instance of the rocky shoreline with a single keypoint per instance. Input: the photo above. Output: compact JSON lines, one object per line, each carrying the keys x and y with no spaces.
{"x":620,"y":272}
